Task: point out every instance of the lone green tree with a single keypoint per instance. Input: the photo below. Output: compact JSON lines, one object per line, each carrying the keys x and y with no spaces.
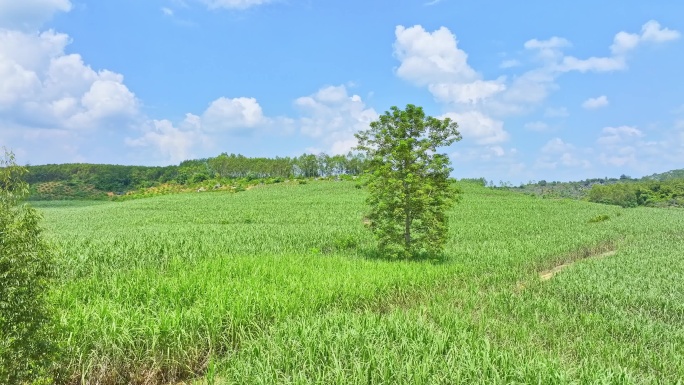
{"x":25,"y":273}
{"x":409,"y":188}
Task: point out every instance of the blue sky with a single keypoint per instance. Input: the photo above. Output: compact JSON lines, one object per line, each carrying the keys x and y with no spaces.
{"x":540,"y":89}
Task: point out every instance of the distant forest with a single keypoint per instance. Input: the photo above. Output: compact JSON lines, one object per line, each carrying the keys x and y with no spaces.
{"x":81,"y":180}
{"x":102,"y":181}
{"x":657,"y":190}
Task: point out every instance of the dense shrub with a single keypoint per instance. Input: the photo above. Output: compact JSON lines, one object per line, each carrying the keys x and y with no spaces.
{"x":641,"y":193}
{"x":25,"y":274}
{"x":620,"y":194}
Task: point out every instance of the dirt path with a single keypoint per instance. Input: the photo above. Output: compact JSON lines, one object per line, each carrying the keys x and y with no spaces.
{"x":548,"y":274}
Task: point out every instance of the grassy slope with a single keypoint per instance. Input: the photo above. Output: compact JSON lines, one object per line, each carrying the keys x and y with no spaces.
{"x":265,"y":286}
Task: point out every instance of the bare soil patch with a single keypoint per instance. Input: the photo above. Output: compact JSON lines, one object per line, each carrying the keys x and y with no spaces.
{"x":548,"y":274}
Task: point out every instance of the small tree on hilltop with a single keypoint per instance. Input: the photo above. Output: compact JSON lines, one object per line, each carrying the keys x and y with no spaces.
{"x":25,"y":273}
{"x":409,"y":181}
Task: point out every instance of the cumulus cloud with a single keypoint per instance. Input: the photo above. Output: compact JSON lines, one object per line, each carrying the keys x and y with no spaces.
{"x":430,"y":57}
{"x":629,"y":149}
{"x":226,"y":114}
{"x":555,"y":146}
{"x":548,"y":50}
{"x":557,"y":152}
{"x":618,"y":145}
{"x":479,"y":128}
{"x":29,"y":15}
{"x":329,"y":116}
{"x":332,"y":116}
{"x":467,"y":93}
{"x":525,"y":92}
{"x":615,"y":135}
{"x":529,"y":89}
{"x":52,"y":102}
{"x":172,"y":143}
{"x":42,"y":87}
{"x":592,"y":64}
{"x":623,"y":43}
{"x":651,"y":31}
{"x":619,"y":157}
{"x":594,"y":103}
{"x":433,"y":59}
{"x":223,"y":118}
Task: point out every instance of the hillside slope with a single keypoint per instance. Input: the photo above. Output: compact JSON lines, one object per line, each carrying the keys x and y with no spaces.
{"x":280,"y":284}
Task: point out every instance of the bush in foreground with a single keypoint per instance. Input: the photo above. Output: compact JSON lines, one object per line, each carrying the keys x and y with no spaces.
{"x":25,"y":274}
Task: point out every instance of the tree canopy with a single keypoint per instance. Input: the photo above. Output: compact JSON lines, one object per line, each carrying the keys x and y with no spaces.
{"x":409,"y":187}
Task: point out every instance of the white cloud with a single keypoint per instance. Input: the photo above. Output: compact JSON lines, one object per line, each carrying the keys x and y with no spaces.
{"x":616,"y":135}
{"x":619,"y":157}
{"x":497,"y":150}
{"x":652,"y":31}
{"x":431,"y":58}
{"x":552,"y":43}
{"x":557,"y":152}
{"x":434,"y":60}
{"x":592,"y":64}
{"x":224,"y":119}
{"x":233,"y":4}
{"x":632,"y":150}
{"x":624,"y":42}
{"x":618,"y":146}
{"x":479,"y":128}
{"x":548,"y":50}
{"x":167,"y":11}
{"x":486,"y":161}
{"x":555,"y":146}
{"x":226,"y":114}
{"x":332,"y":116}
{"x":528,"y":90}
{"x":42,"y":87}
{"x":594,"y":103}
{"x":29,"y":15}
{"x":174,"y":144}
{"x":466,"y":93}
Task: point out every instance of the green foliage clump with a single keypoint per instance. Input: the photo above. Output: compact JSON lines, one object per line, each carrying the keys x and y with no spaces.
{"x":620,"y":194}
{"x":477,"y":181}
{"x":640,"y":193}
{"x":199,"y":177}
{"x":26,"y":271}
{"x":599,"y":218}
{"x":408,"y":181}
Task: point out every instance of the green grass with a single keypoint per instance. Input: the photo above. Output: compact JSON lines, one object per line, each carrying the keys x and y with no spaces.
{"x":280,"y":284}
